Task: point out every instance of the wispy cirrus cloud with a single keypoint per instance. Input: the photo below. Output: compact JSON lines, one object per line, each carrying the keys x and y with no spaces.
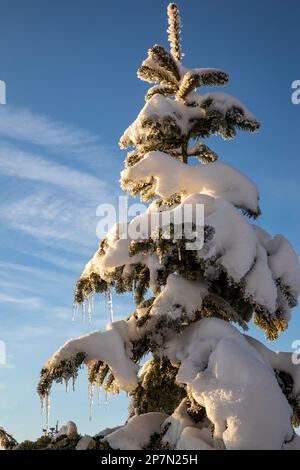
{"x":56,"y":136}
{"x":24,"y":301}
{"x":48,"y":205}
{"x":26,"y":271}
{"x":65,"y":262}
{"x":54,"y":220}
{"x":28,"y":166}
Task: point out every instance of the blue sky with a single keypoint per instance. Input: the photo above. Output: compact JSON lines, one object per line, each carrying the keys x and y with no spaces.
{"x":70,"y":71}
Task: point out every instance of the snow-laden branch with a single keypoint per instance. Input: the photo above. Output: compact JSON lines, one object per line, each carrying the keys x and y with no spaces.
{"x":112,"y":347}
{"x":263,"y":271}
{"x":136,"y":433}
{"x":164,"y":121}
{"x":172,"y":176}
{"x":233,"y":379}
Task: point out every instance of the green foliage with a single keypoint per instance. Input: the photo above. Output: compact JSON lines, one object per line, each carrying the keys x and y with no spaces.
{"x":156,"y":443}
{"x":63,"y":442}
{"x":286,"y":382}
{"x":203,"y":153}
{"x":164,"y":59}
{"x":65,"y":370}
{"x":165,"y":90}
{"x":27,"y":445}
{"x":7,"y":441}
{"x":273,"y":325}
{"x":101,"y":444}
{"x":189,"y":82}
{"x":157,"y":390}
{"x":154,"y":74}
{"x":87,"y":285}
{"x":174,"y":30}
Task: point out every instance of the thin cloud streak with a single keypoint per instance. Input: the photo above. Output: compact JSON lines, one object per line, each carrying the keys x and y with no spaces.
{"x":22,"y":124}
{"x":28,"y":302}
{"x":54,"y":221}
{"x":28,"y":166}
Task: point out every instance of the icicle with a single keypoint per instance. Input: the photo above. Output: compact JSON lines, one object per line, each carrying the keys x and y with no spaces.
{"x":89,"y":309}
{"x":110,"y":305}
{"x":126,"y":203}
{"x":99,"y":392}
{"x":66,"y":385}
{"x":75,"y":310}
{"x":92,"y":296}
{"x":73,"y":383}
{"x":83,"y":310}
{"x":42,"y":406}
{"x":133,"y":288}
{"x":179,"y":253}
{"x":106,"y":398}
{"x":48,"y":405}
{"x":91,"y":399}
{"x":160,"y":259}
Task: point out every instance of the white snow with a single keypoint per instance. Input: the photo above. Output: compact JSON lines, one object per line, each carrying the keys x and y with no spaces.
{"x":111,"y":346}
{"x":215,"y":179}
{"x":234,"y":241}
{"x":245,"y":251}
{"x":176,"y":424}
{"x":284,"y":263}
{"x":260,"y":284}
{"x":231,"y":379}
{"x":184,"y":434}
{"x":221,"y":102}
{"x":178,"y":293}
{"x":193,"y":438}
{"x":84,"y":442}
{"x":160,"y":106}
{"x":282,"y":361}
{"x":136,"y":433}
{"x":293,"y":445}
{"x":67,"y":429}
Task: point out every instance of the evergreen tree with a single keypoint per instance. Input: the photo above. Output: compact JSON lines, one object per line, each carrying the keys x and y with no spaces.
{"x":206,"y":384}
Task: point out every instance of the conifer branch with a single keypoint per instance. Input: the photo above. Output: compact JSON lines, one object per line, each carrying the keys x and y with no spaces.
{"x":174,"y":31}
{"x":150,"y":72}
{"x":164,"y":59}
{"x":189,"y":82}
{"x":165,"y":90}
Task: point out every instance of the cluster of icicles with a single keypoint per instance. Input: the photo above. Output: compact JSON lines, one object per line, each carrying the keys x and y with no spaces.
{"x":46,"y":402}
{"x":99,"y":397}
{"x":86,"y":306}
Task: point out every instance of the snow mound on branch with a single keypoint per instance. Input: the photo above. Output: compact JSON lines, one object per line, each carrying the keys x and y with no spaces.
{"x":161,"y":107}
{"x":183,"y":433}
{"x":215,"y":179}
{"x":67,"y":429}
{"x":179,"y":292}
{"x":193,"y":438}
{"x":282,"y":361}
{"x":84,"y":442}
{"x":136,"y":433}
{"x":234,"y":241}
{"x":284,"y":263}
{"x":238,"y":400}
{"x":112,"y":347}
{"x":222,"y":102}
{"x":247,"y":253}
{"x":259,"y":282}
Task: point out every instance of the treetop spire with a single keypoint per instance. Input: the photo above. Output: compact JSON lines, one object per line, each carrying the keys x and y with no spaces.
{"x":174,"y":31}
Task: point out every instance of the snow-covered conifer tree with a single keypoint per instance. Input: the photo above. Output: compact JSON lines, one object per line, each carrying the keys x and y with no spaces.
{"x":205,"y":385}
